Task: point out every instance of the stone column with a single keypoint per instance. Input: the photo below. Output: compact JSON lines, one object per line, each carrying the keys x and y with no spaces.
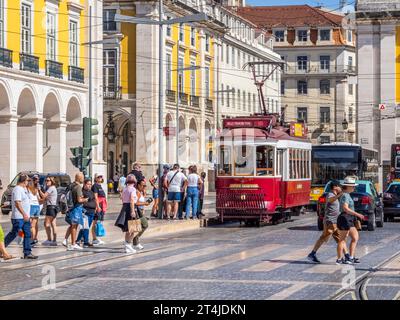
{"x":30,"y":144}
{"x":8,"y":144}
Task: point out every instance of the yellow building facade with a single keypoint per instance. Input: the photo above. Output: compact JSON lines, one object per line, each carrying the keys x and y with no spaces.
{"x":44,"y":83}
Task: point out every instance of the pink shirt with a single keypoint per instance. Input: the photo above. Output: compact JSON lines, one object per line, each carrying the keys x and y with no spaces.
{"x":127,"y":192}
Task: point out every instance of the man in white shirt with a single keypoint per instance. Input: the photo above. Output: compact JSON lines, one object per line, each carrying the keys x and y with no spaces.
{"x":20,"y":217}
{"x":174,"y":182}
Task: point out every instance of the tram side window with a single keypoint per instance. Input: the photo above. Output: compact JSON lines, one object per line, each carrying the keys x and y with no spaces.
{"x":291,"y":164}
{"x":298,"y":164}
{"x":224,"y":164}
{"x":244,"y":160}
{"x":279,"y":162}
{"x":265,"y":161}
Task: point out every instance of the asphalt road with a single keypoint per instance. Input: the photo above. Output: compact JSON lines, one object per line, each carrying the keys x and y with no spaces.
{"x":221,"y":262}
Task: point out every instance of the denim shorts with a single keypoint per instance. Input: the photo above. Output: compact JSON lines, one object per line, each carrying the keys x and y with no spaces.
{"x":35,"y":211}
{"x":155,"y":193}
{"x":174,"y":196}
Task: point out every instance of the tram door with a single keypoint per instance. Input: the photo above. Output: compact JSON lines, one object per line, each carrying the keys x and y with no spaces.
{"x":280,"y":173}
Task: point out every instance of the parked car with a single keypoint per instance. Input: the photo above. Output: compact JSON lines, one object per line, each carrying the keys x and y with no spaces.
{"x":367,"y":202}
{"x":62,"y":181}
{"x":391,"y":201}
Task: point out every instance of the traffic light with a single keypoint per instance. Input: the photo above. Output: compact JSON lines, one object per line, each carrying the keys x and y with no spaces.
{"x":86,"y":159}
{"x":90,"y":132}
{"x":77,"y":157}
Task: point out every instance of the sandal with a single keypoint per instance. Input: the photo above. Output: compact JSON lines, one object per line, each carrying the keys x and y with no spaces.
{"x":8,"y":258}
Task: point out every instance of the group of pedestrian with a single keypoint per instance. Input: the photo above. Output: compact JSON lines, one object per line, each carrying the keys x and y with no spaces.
{"x":182,"y":192}
{"x":340,"y":222}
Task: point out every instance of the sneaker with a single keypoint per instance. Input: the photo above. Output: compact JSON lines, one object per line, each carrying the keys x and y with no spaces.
{"x":87,"y":245}
{"x":65,"y":243}
{"x":53,"y":244}
{"x":347,"y":261}
{"x":98,"y":242}
{"x":138,"y":247}
{"x":75,"y":247}
{"x":313,"y":258}
{"x":34,"y":242}
{"x":47,"y":243}
{"x":340,"y":261}
{"x":30,"y":256}
{"x":355,"y":260}
{"x":129,"y":248}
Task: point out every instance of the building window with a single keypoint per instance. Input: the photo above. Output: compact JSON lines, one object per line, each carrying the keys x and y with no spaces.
{"x":73,"y":43}
{"x":325,"y":35}
{"x":227,"y":97}
{"x":233,"y":56}
{"x":222,"y":94}
{"x":282,"y":87}
{"x":238,"y":100}
{"x":279,"y":36}
{"x":350,"y":89}
{"x":192,"y":37}
{"x":26,"y":29}
{"x":169,"y":28}
{"x":302,"y":114}
{"x":249,"y":101}
{"x":324,"y":139}
{"x":324,"y":62}
{"x":109,"y":70}
{"x":207,"y":82}
{"x":302,"y":35}
{"x":350,"y":63}
{"x":302,"y":87}
{"x":222,"y":52}
{"x":2,"y":23}
{"x":227,"y":54}
{"x":192,"y":80}
{"x":207,"y":43}
{"x":254,"y":102}
{"x":325,"y":114}
{"x":351,"y":119}
{"x":181,"y":31}
{"x":268,"y":105}
{"x":302,"y":62}
{"x":325,"y":86}
{"x":239,"y":59}
{"x":349,"y":36}
{"x":169,"y":72}
{"x":180,"y":75}
{"x":244,"y":100}
{"x":109,"y":23}
{"x":51,"y":36}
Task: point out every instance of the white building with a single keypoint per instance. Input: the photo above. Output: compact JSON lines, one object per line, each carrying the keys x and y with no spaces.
{"x":378,"y":50}
{"x":242,"y":43}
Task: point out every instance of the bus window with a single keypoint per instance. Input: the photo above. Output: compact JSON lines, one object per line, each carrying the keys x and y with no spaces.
{"x":265,"y":161}
{"x":244,"y":160}
{"x":224,"y":163}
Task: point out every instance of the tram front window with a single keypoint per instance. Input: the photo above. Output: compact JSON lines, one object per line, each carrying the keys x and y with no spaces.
{"x":265,"y":161}
{"x":224,"y":163}
{"x":244,"y":160}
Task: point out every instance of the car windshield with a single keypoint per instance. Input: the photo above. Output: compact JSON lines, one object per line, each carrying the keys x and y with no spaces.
{"x":394,"y":188}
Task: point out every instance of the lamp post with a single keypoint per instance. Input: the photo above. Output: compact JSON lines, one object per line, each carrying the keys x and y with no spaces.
{"x":178,"y":70}
{"x":200,"y":17}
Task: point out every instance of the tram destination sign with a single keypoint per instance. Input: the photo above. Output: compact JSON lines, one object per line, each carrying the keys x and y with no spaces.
{"x":246,"y":123}
{"x":298,"y":129}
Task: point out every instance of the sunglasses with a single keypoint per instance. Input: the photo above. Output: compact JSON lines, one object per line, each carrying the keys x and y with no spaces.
{"x":48,"y":180}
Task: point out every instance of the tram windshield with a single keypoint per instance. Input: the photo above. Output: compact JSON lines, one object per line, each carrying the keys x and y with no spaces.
{"x":265,"y":160}
{"x":244,"y":160}
{"x":224,"y":162}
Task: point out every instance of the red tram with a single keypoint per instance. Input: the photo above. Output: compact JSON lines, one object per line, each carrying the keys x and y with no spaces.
{"x":263,"y":170}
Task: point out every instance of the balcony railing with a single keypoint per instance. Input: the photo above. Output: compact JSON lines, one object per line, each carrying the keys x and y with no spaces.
{"x":54,"y":69}
{"x":76,"y":74}
{"x":6,"y":58}
{"x":183,"y":98}
{"x":194,"y":101}
{"x":171,"y":96}
{"x":209,"y":104}
{"x":112,"y":93}
{"x":317,"y":69}
{"x":28,"y":62}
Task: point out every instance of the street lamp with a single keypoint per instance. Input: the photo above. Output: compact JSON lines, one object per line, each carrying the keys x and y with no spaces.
{"x":200,"y":17}
{"x":345,"y":124}
{"x":178,"y":70}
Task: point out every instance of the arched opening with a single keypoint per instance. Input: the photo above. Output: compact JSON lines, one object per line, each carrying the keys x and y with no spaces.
{"x":182,"y":149}
{"x":73,"y":131}
{"x":52,"y":142}
{"x":29,"y":134}
{"x":193,"y":148}
{"x":7,"y":133}
{"x":170,"y":147}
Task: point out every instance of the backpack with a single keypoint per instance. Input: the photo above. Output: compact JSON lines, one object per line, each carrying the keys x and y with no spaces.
{"x":66,"y":201}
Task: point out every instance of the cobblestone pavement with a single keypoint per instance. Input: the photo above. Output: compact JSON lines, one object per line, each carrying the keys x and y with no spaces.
{"x":221,"y":262}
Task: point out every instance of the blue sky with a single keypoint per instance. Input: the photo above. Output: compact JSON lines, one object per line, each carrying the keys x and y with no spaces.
{"x":326,"y":3}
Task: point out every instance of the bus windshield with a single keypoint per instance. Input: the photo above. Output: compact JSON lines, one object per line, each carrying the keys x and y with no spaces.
{"x":334,"y":163}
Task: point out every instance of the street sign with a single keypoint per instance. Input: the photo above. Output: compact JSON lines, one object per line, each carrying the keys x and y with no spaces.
{"x":382,"y":107}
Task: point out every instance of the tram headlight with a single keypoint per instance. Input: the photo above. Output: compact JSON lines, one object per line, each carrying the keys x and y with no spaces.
{"x":243,"y":197}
